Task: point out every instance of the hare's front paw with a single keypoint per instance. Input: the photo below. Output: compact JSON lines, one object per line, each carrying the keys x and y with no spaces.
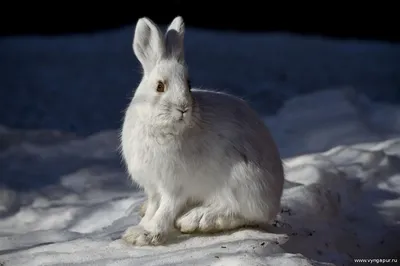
{"x":138,"y":236}
{"x":143,"y":208}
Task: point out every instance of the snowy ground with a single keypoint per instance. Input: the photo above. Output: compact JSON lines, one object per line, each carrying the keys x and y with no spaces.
{"x":65,"y":199}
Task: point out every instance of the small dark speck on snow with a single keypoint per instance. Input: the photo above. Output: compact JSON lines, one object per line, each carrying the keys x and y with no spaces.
{"x":223,"y":247}
{"x":287,"y":210}
{"x":311,"y":233}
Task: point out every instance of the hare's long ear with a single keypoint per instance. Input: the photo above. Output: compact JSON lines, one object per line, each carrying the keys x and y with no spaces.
{"x":148,"y":44}
{"x":174,"y":39}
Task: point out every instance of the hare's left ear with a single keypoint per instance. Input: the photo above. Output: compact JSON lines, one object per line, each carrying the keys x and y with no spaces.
{"x":174,"y":39}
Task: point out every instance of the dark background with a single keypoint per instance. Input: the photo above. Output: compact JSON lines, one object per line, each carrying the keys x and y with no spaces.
{"x":351,"y":20}
{"x":30,"y":98}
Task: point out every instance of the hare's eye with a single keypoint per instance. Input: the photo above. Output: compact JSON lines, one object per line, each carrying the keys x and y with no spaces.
{"x":160,"y":86}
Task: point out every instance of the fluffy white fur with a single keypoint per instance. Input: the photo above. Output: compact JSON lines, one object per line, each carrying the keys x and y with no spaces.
{"x":212,"y":168}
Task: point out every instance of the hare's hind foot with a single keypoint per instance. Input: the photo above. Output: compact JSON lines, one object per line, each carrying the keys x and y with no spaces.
{"x":209,"y":220}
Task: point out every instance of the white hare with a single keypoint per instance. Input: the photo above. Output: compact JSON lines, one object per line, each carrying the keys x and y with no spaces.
{"x":205,"y":159}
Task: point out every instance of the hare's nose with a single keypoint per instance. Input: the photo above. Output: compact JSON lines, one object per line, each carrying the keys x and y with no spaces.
{"x":182,"y":110}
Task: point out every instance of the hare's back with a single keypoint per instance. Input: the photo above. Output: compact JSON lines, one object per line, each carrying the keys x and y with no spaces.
{"x":235,"y":125}
{"x":225,"y":109}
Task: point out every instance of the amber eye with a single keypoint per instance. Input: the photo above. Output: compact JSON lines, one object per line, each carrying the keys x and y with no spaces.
{"x":160,"y":86}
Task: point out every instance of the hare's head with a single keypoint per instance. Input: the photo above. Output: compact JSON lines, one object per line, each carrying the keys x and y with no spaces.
{"x":164,"y":93}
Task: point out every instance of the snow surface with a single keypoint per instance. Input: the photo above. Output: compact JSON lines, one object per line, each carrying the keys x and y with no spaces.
{"x":65,"y":199}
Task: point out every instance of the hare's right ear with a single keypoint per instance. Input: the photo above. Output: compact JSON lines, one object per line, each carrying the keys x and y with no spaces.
{"x":148,"y":44}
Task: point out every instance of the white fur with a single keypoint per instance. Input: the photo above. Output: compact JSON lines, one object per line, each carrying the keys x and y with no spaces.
{"x":214,"y":168}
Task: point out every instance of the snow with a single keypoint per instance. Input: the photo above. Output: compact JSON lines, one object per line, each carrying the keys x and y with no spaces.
{"x":65,"y":198}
